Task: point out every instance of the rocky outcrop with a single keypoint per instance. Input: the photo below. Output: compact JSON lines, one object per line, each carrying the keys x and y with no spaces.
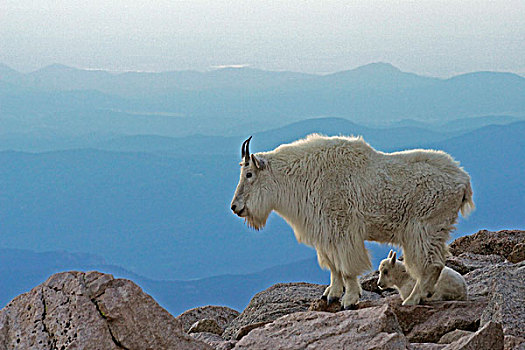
{"x":370,"y":328}
{"x":207,"y":325}
{"x":507,"y":243}
{"x":278,"y":300}
{"x":214,"y":340}
{"x":492,"y":318}
{"x":453,"y":336}
{"x":90,"y":311}
{"x":221,"y":314}
{"x":94,"y":311}
{"x":507,"y":300}
{"x":429,"y":322}
{"x":490,"y":336}
{"x":467,"y":262}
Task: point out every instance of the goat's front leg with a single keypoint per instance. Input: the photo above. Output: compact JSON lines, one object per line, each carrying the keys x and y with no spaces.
{"x":334,"y":291}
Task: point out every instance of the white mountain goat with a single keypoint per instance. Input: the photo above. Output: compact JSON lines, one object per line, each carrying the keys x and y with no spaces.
{"x":392,"y":273}
{"x":337,"y":192}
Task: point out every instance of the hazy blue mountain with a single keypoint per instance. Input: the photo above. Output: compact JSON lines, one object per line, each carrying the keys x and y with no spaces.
{"x":375,"y":76}
{"x":382,"y":138}
{"x":137,"y":84}
{"x":385,"y":139}
{"x":7,"y":74}
{"x":220,"y":100}
{"x":461,"y":125}
{"x":468,"y":124}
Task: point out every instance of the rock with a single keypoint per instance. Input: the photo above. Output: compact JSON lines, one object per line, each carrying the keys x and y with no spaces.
{"x":428,"y":323}
{"x":507,"y":300}
{"x":248,"y":328}
{"x":426,"y":346}
{"x":467,"y":262}
{"x":370,"y":328}
{"x":513,"y":343}
{"x":453,"y":336}
{"x":89,"y":311}
{"x":489,"y":336}
{"x":517,"y":254}
{"x":486,"y":242}
{"x":279,"y":300}
{"x":213,"y":340}
{"x":207,"y":325}
{"x":322,"y":305}
{"x":480,"y":281}
{"x":369,"y":283}
{"x":221,"y":314}
{"x":282,"y":299}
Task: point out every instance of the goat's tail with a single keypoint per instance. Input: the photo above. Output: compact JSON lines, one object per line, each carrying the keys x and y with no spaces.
{"x":467,"y":205}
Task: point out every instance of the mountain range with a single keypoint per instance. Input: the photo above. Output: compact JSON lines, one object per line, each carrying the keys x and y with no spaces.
{"x":135,"y":171}
{"x":68,"y":101}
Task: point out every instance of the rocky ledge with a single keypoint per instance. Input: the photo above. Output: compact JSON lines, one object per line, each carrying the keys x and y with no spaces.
{"x":95,"y":311}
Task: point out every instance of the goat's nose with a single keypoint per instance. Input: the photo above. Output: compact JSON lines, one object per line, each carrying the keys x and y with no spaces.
{"x":234,"y":207}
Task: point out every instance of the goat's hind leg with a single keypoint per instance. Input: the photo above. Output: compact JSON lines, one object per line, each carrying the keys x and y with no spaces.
{"x":424,"y":258}
{"x":353,"y":292}
{"x":425,"y":285}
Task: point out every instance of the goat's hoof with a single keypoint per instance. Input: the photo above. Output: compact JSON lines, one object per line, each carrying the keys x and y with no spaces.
{"x":349,"y":307}
{"x":324,"y":297}
{"x":332,"y":300}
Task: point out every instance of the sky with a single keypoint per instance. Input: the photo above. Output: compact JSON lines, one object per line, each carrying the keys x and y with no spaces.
{"x":437,"y":38}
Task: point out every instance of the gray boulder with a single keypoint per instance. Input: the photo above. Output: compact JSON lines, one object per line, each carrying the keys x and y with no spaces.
{"x":487,"y":242}
{"x":90,"y":311}
{"x":279,"y":300}
{"x":221,"y":314}
{"x":371,"y":328}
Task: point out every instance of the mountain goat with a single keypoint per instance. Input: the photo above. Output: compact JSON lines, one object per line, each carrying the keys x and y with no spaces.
{"x":337,"y":192}
{"x":392,"y":273}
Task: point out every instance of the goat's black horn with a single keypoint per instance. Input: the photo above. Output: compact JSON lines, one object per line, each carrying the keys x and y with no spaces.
{"x":243,"y":149}
{"x":247,"y":149}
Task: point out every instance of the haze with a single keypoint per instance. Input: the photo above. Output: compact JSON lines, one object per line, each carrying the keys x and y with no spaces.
{"x":438,"y":38}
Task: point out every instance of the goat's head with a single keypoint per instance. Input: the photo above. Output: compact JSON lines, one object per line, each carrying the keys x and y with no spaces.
{"x":387,"y":271}
{"x":253,"y":197}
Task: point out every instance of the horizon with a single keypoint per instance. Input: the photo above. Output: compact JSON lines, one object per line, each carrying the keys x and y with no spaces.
{"x":240,"y":67}
{"x":440,"y":39}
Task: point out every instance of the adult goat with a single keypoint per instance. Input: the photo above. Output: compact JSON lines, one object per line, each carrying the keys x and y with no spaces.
{"x":337,"y":192}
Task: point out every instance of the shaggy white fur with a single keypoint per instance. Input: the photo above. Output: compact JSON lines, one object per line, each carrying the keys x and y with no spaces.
{"x":392,"y":273}
{"x":337,"y":192}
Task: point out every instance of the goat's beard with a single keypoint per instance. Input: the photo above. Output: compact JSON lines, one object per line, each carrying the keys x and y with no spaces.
{"x":257,"y":223}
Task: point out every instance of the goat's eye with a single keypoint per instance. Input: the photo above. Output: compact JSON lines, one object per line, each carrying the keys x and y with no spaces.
{"x":248,"y":175}
{"x":385,"y":272}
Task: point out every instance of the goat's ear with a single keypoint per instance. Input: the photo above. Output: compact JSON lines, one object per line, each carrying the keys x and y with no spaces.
{"x":259,"y":163}
{"x":390,"y":254}
{"x":393,"y":258}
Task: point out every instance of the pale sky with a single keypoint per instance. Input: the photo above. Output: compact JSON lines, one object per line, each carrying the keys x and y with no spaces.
{"x":438,"y":38}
